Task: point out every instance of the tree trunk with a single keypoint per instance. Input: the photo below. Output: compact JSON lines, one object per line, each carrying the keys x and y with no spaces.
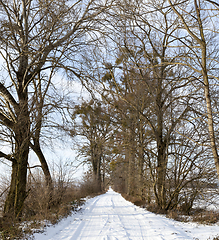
{"x":161,"y":155}
{"x":37,"y":149}
{"x":131,"y":162}
{"x":141,"y":188}
{"x":17,"y":193}
{"x":131,"y":174}
{"x":97,"y":178}
{"x":209,"y":110}
{"x":96,"y":162}
{"x":161,"y":176}
{"x":141,"y":163}
{"x":9,"y":203}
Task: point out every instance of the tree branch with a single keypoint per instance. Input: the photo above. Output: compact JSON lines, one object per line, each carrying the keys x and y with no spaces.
{"x":7,"y":156}
{"x":213,"y":2}
{"x":7,"y":122}
{"x":7,"y":95}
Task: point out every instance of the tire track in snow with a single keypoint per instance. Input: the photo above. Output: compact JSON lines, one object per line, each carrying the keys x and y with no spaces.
{"x":111,"y":217}
{"x":79,"y":229}
{"x":133,"y":220}
{"x":118,"y":216}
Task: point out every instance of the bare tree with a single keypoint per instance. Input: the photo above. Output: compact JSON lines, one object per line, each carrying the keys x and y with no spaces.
{"x":144,"y":75}
{"x":33,"y":36}
{"x":198,"y":40}
{"x":93,"y":123}
{"x":146,"y":63}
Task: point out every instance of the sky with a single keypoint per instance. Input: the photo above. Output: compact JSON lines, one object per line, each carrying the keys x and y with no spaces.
{"x":59,"y":152}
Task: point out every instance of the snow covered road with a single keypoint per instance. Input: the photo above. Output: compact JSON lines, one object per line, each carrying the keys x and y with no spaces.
{"x":111,"y":217}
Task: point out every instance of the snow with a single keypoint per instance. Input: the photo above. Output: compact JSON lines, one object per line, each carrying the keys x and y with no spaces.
{"x":110,"y":217}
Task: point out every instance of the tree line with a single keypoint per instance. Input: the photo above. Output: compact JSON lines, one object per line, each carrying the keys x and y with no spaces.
{"x":150,"y":127}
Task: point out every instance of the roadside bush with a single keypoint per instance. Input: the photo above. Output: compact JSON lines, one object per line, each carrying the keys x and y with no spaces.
{"x":43,"y":206}
{"x":87,"y":185}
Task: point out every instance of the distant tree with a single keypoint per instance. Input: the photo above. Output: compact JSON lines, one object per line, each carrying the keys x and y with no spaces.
{"x":92,"y":122}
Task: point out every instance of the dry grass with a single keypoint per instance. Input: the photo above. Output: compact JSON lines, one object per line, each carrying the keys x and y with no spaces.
{"x":204,"y":216}
{"x":135,"y":200}
{"x":198,"y":215}
{"x":40,"y":209}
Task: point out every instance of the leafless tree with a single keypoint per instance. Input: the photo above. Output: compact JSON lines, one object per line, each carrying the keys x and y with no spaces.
{"x":149,"y":71}
{"x":34,"y":34}
{"x":198,"y":19}
{"x":92,"y":122}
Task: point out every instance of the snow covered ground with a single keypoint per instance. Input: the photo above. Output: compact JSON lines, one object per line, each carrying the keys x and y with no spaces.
{"x":111,"y":217}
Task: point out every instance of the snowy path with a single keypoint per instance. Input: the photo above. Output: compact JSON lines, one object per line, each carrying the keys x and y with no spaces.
{"x":111,"y":217}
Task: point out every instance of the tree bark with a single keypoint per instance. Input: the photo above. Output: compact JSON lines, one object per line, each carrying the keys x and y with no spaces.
{"x":131,"y":159}
{"x":161,"y":175}
{"x":17,"y":193}
{"x":37,"y":149}
{"x":96,"y":163}
{"x":209,"y":112}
